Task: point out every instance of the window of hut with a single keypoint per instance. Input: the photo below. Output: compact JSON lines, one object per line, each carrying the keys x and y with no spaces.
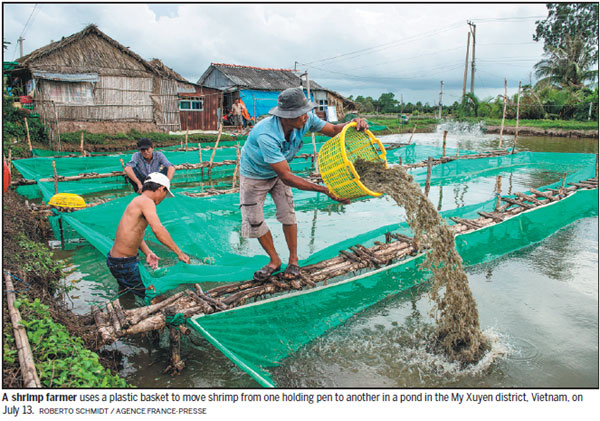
{"x":195,"y":104}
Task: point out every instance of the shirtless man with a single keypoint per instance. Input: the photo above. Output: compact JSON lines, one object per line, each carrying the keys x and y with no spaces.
{"x":141,"y":212}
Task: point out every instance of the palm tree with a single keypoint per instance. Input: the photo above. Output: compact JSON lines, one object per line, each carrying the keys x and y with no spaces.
{"x":568,"y":65}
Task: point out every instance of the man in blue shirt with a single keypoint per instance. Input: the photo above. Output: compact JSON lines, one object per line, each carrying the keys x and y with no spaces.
{"x":264,"y":168}
{"x":145,"y":162}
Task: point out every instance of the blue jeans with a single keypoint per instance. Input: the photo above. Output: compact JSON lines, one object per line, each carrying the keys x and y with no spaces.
{"x":142,"y":177}
{"x":127,"y":274}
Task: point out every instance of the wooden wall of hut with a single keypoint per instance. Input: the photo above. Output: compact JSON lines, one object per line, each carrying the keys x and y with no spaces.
{"x":112,"y":99}
{"x":166,"y":104}
{"x":208,"y":118}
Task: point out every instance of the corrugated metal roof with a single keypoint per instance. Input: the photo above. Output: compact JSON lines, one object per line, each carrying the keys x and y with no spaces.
{"x":256,"y":77}
{"x":67,"y":77}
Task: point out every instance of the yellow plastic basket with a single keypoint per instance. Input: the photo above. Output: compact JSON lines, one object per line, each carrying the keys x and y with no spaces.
{"x":336,"y":159}
{"x":67,"y":200}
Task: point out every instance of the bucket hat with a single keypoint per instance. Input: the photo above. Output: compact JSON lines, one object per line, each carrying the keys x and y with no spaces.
{"x":292,"y":103}
{"x":161,"y":179}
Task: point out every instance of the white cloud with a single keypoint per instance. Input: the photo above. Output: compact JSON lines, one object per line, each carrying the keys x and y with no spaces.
{"x":402,"y":48}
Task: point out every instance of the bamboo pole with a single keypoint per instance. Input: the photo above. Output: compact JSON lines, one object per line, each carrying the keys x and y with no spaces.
{"x":57,"y":128}
{"x":55,"y":177}
{"x":596,"y":173}
{"x":28,"y":371}
{"x":218,"y":139}
{"x":428,"y":181}
{"x":412,"y":134}
{"x":200,"y":157}
{"x":28,"y":137}
{"x":517,"y":124}
{"x":498,"y":191}
{"x":81,"y":145}
{"x":444,"y":143}
{"x":237,"y":166}
{"x":503,"y":115}
{"x":186,"y":140}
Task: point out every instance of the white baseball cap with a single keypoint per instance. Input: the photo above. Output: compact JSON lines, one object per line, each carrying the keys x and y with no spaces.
{"x":161,"y":179}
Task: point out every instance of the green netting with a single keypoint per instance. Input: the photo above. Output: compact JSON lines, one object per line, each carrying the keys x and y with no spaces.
{"x":192,"y":180}
{"x":258,"y":336}
{"x":209,"y":230}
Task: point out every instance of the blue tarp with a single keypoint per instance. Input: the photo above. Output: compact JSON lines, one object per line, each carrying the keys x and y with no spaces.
{"x":260,"y":102}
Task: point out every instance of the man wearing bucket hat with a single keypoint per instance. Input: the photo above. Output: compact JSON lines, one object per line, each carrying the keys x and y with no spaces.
{"x":264,"y":168}
{"x":141,"y":212}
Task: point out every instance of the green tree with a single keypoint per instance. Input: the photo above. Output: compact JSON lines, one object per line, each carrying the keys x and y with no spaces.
{"x":572,"y":20}
{"x":387,"y":104}
{"x":568,"y":65}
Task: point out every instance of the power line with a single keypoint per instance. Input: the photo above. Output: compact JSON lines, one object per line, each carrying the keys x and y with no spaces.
{"x":25,"y":27}
{"x":384,"y":46}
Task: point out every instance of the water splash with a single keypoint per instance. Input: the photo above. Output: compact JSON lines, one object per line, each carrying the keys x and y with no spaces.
{"x":462,"y":128}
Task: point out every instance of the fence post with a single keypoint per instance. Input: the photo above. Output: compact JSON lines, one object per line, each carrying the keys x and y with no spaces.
{"x":428,"y":180}
{"x":28,"y":138}
{"x":503,"y":116}
{"x":517,"y":125}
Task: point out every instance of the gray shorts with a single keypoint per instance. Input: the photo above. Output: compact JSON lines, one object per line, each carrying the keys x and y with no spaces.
{"x":237,"y":119}
{"x":253,"y":193}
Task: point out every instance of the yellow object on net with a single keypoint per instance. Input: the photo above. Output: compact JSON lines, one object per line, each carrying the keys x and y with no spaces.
{"x":67,"y":200}
{"x":336,"y":159}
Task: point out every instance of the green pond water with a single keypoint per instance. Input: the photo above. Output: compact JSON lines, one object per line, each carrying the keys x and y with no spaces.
{"x":538,"y":306}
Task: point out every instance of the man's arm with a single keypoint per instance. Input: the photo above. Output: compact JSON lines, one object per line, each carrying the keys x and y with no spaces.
{"x":289,"y":178}
{"x":131,"y":174}
{"x":161,"y":233}
{"x":170,"y":172}
{"x":162,"y":159}
{"x":332,"y":130}
{"x":151,"y":258}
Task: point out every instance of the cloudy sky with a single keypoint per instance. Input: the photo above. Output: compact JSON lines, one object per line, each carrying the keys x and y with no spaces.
{"x":355,"y":49}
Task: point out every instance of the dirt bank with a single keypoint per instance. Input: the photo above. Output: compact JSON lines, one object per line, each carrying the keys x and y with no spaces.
{"x":535,"y":131}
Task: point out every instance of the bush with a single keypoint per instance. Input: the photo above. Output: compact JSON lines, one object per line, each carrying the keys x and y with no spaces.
{"x":61,"y":360}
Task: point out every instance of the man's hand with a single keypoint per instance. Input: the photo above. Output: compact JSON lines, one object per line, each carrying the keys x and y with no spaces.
{"x":184,"y":258}
{"x":361,"y":124}
{"x":152,"y":260}
{"x":139,"y":188}
{"x":334,"y":197}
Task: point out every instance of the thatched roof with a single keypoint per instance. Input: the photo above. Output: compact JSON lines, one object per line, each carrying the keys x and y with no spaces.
{"x":254,"y":77}
{"x":165,"y":71}
{"x":89,"y":50}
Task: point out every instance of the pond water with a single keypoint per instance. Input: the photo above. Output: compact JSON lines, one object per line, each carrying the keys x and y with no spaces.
{"x":538,"y":306}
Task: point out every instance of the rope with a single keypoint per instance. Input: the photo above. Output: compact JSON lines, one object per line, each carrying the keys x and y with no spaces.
{"x":20,"y":280}
{"x":175,"y":320}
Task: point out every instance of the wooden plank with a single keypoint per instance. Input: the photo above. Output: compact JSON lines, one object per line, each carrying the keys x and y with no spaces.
{"x":543,"y":194}
{"x":493,"y":216}
{"x":531,"y":199}
{"x":516,"y":202}
{"x":465,"y":222}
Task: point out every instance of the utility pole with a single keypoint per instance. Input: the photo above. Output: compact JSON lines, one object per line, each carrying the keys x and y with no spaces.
{"x":472,"y":29}
{"x":466,"y":66}
{"x":440,"y":105}
{"x":20,"y":41}
{"x":312,"y":134}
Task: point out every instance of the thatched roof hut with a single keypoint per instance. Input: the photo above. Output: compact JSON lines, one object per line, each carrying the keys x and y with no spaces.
{"x":90,"y":81}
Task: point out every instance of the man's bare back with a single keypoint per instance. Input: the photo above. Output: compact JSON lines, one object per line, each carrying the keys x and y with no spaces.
{"x":130,"y":231}
{"x":140,"y":213}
